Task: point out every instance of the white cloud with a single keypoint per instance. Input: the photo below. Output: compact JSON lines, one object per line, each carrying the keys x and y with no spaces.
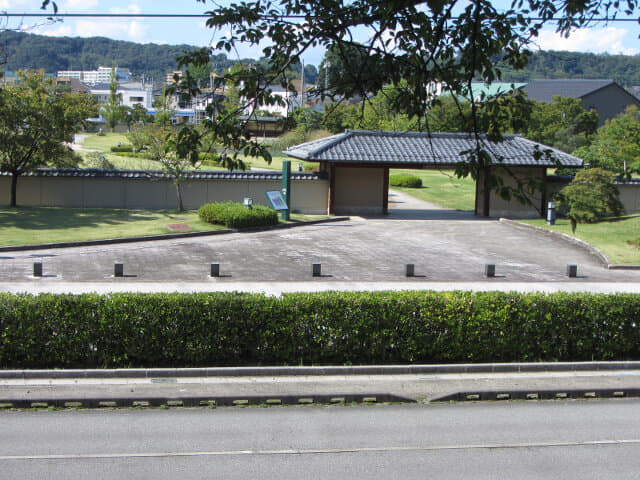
{"x":14,"y":4}
{"x":123,"y":30}
{"x":77,"y":5}
{"x":602,"y":40}
{"x":118,"y":30}
{"x":61,"y":31}
{"x":131,"y":8}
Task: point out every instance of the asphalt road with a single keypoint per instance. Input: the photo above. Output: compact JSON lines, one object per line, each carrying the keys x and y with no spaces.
{"x":561,"y":439}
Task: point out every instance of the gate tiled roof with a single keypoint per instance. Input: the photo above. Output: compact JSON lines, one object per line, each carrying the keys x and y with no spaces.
{"x":422,"y":148}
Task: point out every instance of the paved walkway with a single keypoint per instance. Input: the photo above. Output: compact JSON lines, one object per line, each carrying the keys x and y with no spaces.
{"x":447,"y":247}
{"x":411,"y":387}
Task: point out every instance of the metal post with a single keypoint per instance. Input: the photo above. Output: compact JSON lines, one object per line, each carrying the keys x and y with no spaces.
{"x":490,"y":270}
{"x":317,"y":269}
{"x":551,"y":213}
{"x":37,"y":269}
{"x":215,"y":269}
{"x":286,"y":187}
{"x":118,"y":269}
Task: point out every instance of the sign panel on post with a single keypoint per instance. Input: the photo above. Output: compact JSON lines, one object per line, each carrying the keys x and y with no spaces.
{"x":276,"y":200}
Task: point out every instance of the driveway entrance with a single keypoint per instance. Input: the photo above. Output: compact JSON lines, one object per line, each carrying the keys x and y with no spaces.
{"x":405,"y":207}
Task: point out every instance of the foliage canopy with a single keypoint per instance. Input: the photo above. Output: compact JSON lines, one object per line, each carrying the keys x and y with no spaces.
{"x":35,"y":124}
{"x":591,"y":197}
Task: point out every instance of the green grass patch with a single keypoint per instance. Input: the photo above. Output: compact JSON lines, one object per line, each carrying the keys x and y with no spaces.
{"x":276,"y":163}
{"x":36,"y":225}
{"x":610,"y":236}
{"x":104,"y":142}
{"x":441,"y":187}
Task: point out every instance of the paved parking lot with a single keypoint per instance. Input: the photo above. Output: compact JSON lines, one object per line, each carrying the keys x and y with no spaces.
{"x":444,"y":245}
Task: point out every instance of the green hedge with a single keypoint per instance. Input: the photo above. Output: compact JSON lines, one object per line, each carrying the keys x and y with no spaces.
{"x":122,"y":149}
{"x":236,"y":215}
{"x":405,"y":180}
{"x":209,"y":329}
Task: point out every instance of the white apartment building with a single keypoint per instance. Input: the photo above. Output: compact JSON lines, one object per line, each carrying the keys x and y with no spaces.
{"x":290,"y":99}
{"x":94,"y":77}
{"x":130,"y":93}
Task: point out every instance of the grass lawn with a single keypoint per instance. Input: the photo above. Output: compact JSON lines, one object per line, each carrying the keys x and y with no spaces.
{"x":104,"y":142}
{"x":610,"y":236}
{"x":35,"y":225}
{"x":276,"y":162}
{"x":441,"y":187}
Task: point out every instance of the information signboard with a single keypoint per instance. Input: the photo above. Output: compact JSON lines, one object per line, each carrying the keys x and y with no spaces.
{"x":276,"y":200}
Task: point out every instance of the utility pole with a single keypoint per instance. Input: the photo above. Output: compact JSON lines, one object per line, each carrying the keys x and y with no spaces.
{"x":302,"y":87}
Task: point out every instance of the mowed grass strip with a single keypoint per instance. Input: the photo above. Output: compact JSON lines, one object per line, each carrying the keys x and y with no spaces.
{"x":37,"y":225}
{"x":104,"y":142}
{"x":610,"y":236}
{"x":441,"y":187}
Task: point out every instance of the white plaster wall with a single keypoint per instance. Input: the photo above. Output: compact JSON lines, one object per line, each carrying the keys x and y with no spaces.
{"x":308,"y":196}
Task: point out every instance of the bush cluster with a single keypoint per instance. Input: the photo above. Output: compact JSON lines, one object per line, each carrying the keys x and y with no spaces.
{"x":122,"y":148}
{"x":210,"y":329}
{"x":236,"y":215}
{"x":405,"y":180}
{"x":590,"y":197}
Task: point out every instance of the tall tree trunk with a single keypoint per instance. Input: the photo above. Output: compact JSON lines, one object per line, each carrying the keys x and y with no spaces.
{"x":179,"y":192}
{"x":14,"y":188}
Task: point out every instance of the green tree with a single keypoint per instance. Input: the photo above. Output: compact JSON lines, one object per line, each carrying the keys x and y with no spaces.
{"x":308,"y":118}
{"x":590,"y":197}
{"x":616,"y":146}
{"x":36,"y":124}
{"x":337,"y":117}
{"x":380,"y":113}
{"x":563,"y":124}
{"x":112,"y":111}
{"x":139,"y":114}
{"x":163,"y":106}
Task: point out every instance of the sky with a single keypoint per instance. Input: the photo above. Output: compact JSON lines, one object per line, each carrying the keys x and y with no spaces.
{"x":613,"y":38}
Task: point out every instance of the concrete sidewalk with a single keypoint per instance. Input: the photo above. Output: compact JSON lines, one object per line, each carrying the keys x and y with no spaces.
{"x":267,"y":387}
{"x":278,"y":288}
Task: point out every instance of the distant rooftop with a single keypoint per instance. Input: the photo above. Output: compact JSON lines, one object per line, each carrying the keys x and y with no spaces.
{"x":544,"y":90}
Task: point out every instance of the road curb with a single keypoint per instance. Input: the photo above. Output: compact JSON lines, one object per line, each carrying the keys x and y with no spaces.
{"x":211,"y":401}
{"x":599,"y":254}
{"x":320,"y":370}
{"x":166,"y":236}
{"x":538,"y":394}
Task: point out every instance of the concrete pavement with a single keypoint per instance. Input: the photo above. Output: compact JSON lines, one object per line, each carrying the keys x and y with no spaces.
{"x":445,"y":246}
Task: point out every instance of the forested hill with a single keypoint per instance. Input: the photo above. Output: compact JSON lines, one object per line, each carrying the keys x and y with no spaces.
{"x":624,"y":69}
{"x":22,"y":50}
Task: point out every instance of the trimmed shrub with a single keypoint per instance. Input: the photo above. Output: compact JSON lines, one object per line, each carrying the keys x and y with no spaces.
{"x":236,"y":215}
{"x":405,"y":180}
{"x":208,"y":329}
{"x":122,"y":148}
